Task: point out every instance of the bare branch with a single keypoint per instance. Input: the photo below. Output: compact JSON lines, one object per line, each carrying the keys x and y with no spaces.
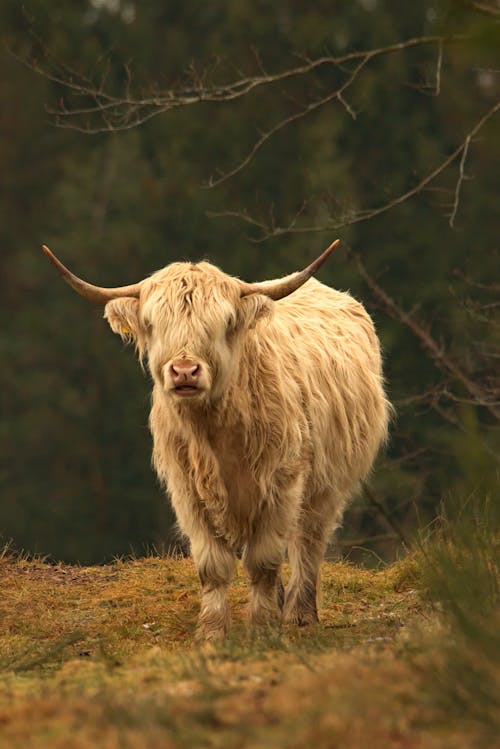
{"x":337,"y":94}
{"x":494,"y":286}
{"x":487,"y":8}
{"x":367,"y":214}
{"x":440,"y":357}
{"x":461,"y":177}
{"x":388,"y":518}
{"x":439,"y":64}
{"x":435,"y":88}
{"x":127,"y":111}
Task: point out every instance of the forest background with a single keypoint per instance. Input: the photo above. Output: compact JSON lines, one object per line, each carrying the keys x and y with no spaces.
{"x":126,"y":143}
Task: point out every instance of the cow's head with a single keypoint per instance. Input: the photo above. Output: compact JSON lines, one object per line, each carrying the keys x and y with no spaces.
{"x":188,"y":320}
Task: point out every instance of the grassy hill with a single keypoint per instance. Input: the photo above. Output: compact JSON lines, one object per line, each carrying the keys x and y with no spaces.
{"x":105,"y":657}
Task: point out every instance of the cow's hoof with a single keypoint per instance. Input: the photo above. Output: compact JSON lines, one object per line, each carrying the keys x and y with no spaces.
{"x":301,"y":618}
{"x":258,"y":618}
{"x":211,"y":634}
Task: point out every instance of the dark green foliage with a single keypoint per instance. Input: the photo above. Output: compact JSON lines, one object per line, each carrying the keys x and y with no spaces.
{"x":75,"y":480}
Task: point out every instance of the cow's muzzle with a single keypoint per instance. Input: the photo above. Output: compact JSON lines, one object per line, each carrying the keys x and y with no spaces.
{"x":185,"y":377}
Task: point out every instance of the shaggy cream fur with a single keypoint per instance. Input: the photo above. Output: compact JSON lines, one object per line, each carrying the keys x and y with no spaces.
{"x":289,"y":420}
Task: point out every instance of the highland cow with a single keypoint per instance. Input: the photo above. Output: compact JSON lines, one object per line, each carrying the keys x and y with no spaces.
{"x":268,"y":410}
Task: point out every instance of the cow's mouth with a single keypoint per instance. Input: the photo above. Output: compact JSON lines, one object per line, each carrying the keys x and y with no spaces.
{"x":186,"y":390}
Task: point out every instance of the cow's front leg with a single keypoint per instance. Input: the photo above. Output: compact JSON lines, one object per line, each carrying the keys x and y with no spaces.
{"x":215,"y":563}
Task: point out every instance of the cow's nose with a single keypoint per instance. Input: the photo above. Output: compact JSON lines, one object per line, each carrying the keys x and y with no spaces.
{"x":184,"y":372}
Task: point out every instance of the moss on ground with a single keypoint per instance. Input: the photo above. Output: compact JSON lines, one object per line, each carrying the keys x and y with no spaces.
{"x":105,"y":657}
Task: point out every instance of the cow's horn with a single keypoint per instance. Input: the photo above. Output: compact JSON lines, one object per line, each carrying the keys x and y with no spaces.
{"x":282,"y":287}
{"x":96,"y":294}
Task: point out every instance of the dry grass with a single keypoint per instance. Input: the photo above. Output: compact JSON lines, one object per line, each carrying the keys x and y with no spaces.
{"x":104,"y":657}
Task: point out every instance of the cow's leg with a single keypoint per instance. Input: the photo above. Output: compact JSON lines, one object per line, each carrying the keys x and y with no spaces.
{"x":215,"y":563}
{"x":266,"y":550}
{"x":262,"y":560}
{"x":306,"y":550}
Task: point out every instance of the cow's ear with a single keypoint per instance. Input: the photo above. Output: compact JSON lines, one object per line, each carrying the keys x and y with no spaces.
{"x":123,"y":318}
{"x":251,"y":308}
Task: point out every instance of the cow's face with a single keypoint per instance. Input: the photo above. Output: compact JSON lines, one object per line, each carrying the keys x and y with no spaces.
{"x":189,"y":323}
{"x":189,"y":320}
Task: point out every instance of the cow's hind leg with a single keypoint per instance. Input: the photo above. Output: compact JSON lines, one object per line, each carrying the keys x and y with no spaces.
{"x":306,"y":550}
{"x":215,"y":563}
{"x":262,"y":560}
{"x":266,"y":550}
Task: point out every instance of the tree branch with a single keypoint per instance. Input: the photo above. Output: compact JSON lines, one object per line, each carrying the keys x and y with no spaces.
{"x":440,"y":357}
{"x":368,"y":214}
{"x":461,"y":178}
{"x":390,"y":521}
{"x":337,"y":94}
{"x":487,"y":8}
{"x":127,"y":111}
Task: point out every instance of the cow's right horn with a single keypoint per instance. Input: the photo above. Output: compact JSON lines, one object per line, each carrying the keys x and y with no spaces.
{"x":96,"y":294}
{"x":282,"y":287}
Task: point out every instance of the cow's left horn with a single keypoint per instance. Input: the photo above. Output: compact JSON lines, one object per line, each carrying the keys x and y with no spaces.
{"x":282,"y":287}
{"x":96,"y":294}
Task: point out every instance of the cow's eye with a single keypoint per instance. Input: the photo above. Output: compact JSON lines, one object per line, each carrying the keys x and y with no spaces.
{"x":231,"y":323}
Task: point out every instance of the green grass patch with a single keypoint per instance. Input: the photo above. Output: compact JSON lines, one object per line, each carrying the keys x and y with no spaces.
{"x":105,"y":656}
